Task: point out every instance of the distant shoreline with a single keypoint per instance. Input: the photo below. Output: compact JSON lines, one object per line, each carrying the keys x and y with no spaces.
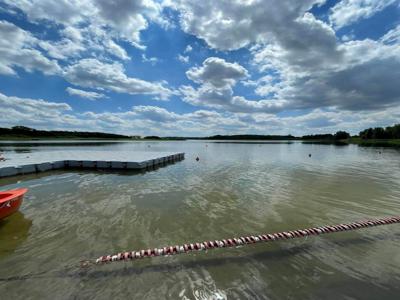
{"x":394,"y":143}
{"x":377,"y":137}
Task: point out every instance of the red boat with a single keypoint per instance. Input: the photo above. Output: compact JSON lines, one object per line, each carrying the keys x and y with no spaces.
{"x":10,"y":201}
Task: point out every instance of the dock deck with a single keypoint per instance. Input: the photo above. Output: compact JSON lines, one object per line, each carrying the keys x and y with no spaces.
{"x":40,"y":161}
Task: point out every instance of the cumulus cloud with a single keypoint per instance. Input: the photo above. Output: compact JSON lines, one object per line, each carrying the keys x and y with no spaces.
{"x":217,"y":78}
{"x":92,"y":73}
{"x":361,"y":78}
{"x":77,"y":42}
{"x":223,"y":98}
{"x":155,"y":113}
{"x":124,"y":18}
{"x":157,"y":120}
{"x":229,"y":25}
{"x":144,"y":120}
{"x":149,"y":120}
{"x":347,"y":12}
{"x":28,"y":111}
{"x":310,"y":67}
{"x":297,"y":60}
{"x":115,"y":49}
{"x":17,"y":49}
{"x":90,"y":28}
{"x":217,"y":72}
{"x":70,"y":45}
{"x":84,"y":94}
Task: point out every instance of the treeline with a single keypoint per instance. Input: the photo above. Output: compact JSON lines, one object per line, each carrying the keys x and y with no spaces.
{"x":26,"y":132}
{"x":390,"y":132}
{"x":250,"y":137}
{"x":167,"y":138}
{"x":340,"y":135}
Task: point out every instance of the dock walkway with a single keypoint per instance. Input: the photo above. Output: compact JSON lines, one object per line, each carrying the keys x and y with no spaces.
{"x":40,"y":161}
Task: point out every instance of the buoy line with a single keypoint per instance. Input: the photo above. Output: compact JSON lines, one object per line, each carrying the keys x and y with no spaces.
{"x":234,"y":242}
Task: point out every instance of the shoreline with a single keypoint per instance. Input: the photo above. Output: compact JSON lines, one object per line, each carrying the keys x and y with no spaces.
{"x":392,"y":143}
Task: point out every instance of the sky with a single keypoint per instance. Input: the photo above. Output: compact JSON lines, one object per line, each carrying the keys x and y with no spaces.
{"x":198,"y":68}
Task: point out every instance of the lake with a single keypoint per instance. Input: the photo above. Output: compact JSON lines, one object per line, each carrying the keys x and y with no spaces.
{"x":234,"y":189}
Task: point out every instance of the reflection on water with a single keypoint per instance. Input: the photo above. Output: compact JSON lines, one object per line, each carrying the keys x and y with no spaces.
{"x":14,"y":230}
{"x":235,"y":189}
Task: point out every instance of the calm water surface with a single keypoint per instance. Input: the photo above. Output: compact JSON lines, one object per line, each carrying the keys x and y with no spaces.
{"x":235,"y":189}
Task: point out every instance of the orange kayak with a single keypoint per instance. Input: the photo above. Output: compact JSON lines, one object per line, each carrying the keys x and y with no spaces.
{"x":10,"y":201}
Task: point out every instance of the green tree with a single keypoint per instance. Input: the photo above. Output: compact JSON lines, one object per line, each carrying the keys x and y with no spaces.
{"x":341,"y":135}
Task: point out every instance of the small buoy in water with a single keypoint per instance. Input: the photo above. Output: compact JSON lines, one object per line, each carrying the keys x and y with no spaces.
{"x":206,"y":145}
{"x":197,"y":158}
{"x":380,"y":152}
{"x":309,"y":155}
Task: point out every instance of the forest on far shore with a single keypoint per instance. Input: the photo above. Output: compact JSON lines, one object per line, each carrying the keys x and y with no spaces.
{"x":377,"y":133}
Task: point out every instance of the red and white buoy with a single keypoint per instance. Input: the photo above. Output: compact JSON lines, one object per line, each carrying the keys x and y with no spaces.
{"x":233,"y":242}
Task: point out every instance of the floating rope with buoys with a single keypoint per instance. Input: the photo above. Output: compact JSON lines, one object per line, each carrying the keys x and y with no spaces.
{"x":76,"y":270}
{"x":247,"y":240}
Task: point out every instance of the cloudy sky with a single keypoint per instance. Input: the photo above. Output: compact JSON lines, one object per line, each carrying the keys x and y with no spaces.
{"x":193,"y":67}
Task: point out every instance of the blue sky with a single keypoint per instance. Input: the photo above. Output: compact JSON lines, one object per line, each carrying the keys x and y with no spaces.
{"x":195,"y":68}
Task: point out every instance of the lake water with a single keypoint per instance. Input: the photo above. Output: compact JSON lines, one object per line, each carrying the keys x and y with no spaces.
{"x":235,"y":189}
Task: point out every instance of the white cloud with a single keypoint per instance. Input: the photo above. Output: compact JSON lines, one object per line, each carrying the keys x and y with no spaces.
{"x":151,"y":60}
{"x":128,"y":17}
{"x":92,"y":73}
{"x":150,"y":120}
{"x":124,"y":18}
{"x":345,"y":82}
{"x":155,"y":113}
{"x":228,"y":25}
{"x":75,"y":43}
{"x":26,"y":111}
{"x":217,"y":78}
{"x":300,"y":62}
{"x":188,"y":49}
{"x":63,"y":11}
{"x":84,"y":94}
{"x":17,"y":49}
{"x":310,"y":67}
{"x":115,"y":49}
{"x":67,"y":47}
{"x":217,"y":72}
{"x":392,"y":36}
{"x":223,"y":98}
{"x":183,"y":59}
{"x":347,"y":12}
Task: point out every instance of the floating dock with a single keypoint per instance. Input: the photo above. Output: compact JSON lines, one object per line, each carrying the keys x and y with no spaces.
{"x":41,"y":161}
